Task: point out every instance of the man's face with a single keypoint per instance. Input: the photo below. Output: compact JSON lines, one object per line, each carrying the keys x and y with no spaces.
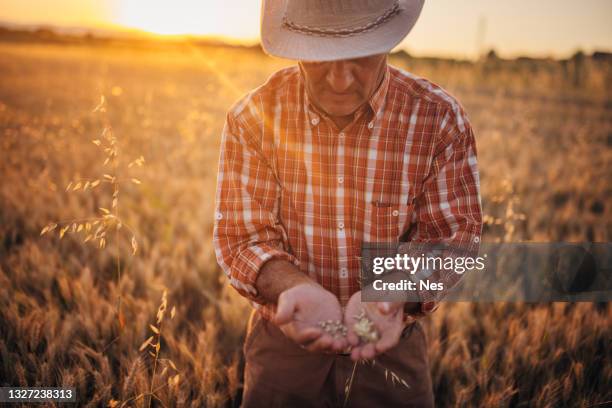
{"x":339,"y":88}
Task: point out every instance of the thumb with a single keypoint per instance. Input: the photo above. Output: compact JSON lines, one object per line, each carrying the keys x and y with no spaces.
{"x":387,"y":307}
{"x":284,"y":309}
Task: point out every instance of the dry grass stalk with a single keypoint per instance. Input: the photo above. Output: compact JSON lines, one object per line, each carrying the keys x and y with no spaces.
{"x":98,"y":228}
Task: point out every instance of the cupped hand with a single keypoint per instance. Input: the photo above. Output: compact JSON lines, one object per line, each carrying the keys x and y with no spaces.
{"x":388,"y":322}
{"x":299,"y":312}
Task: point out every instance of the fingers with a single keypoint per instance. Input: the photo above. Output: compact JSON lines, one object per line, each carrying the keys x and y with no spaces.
{"x":384,"y":307}
{"x":364,"y":352}
{"x":389,"y":337}
{"x":368,"y":351}
{"x":311,"y":338}
{"x":339,"y":345}
{"x":352,"y":338}
{"x":306,"y":336}
{"x":327,"y":344}
{"x":389,"y":340}
{"x":356,"y":354}
{"x":319,"y":342}
{"x":322,"y":344}
{"x":389,"y":308}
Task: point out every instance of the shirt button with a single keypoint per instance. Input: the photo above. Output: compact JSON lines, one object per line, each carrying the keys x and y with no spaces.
{"x":218,"y":215}
{"x":341,"y":135}
{"x":395,"y":213}
{"x":340,"y":180}
{"x":315,"y":121}
{"x":370,"y":125}
{"x":341,"y":225}
{"x":343,"y":272}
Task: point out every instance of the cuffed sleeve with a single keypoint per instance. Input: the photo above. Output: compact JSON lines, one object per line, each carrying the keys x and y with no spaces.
{"x":246,"y":265}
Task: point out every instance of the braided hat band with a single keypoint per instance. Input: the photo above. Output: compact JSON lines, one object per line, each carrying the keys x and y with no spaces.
{"x":344,"y":32}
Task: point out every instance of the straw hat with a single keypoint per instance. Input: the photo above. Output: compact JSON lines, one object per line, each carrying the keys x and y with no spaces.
{"x":325,"y":30}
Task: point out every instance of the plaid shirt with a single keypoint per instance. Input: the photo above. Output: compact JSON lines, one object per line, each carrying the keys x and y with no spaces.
{"x":292,"y":186}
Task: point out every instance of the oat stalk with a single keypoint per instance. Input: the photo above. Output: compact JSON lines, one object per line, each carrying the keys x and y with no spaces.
{"x":98,"y":228}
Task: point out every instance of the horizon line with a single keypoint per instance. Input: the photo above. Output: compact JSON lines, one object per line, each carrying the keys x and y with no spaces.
{"x":111,"y":28}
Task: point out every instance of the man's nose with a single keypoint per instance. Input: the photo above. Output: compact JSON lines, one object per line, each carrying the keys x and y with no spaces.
{"x":339,"y":77}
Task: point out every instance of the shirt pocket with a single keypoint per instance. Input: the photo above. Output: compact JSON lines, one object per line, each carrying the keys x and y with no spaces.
{"x":386,"y":222}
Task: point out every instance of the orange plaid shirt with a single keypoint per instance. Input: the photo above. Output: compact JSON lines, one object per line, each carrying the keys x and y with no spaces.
{"x":292,"y":186}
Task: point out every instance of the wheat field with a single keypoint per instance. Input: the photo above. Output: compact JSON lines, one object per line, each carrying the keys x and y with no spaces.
{"x":544,"y":135}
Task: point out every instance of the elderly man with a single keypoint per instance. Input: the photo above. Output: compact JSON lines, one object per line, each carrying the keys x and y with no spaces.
{"x":340,"y":150}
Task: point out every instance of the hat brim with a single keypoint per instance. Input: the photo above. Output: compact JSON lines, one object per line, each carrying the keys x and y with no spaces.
{"x":282,"y":42}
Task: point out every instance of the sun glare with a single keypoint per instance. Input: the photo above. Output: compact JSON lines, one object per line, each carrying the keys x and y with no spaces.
{"x":228,"y":19}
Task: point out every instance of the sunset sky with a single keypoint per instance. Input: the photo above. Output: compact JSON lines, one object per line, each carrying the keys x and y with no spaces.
{"x":446,"y":27}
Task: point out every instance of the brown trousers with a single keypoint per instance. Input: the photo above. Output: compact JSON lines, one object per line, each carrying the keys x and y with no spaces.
{"x":278,"y":373}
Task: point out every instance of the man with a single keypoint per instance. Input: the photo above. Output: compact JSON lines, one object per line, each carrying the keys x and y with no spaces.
{"x":340,"y":150}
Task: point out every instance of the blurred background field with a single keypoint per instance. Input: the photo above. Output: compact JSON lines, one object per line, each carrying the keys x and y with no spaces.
{"x":544,"y":137}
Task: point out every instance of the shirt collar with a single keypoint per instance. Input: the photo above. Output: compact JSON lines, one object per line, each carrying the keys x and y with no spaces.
{"x":376,"y":101}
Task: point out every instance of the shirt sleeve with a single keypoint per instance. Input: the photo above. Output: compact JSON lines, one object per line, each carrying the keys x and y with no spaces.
{"x":448,"y":208}
{"x":247,"y":231}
